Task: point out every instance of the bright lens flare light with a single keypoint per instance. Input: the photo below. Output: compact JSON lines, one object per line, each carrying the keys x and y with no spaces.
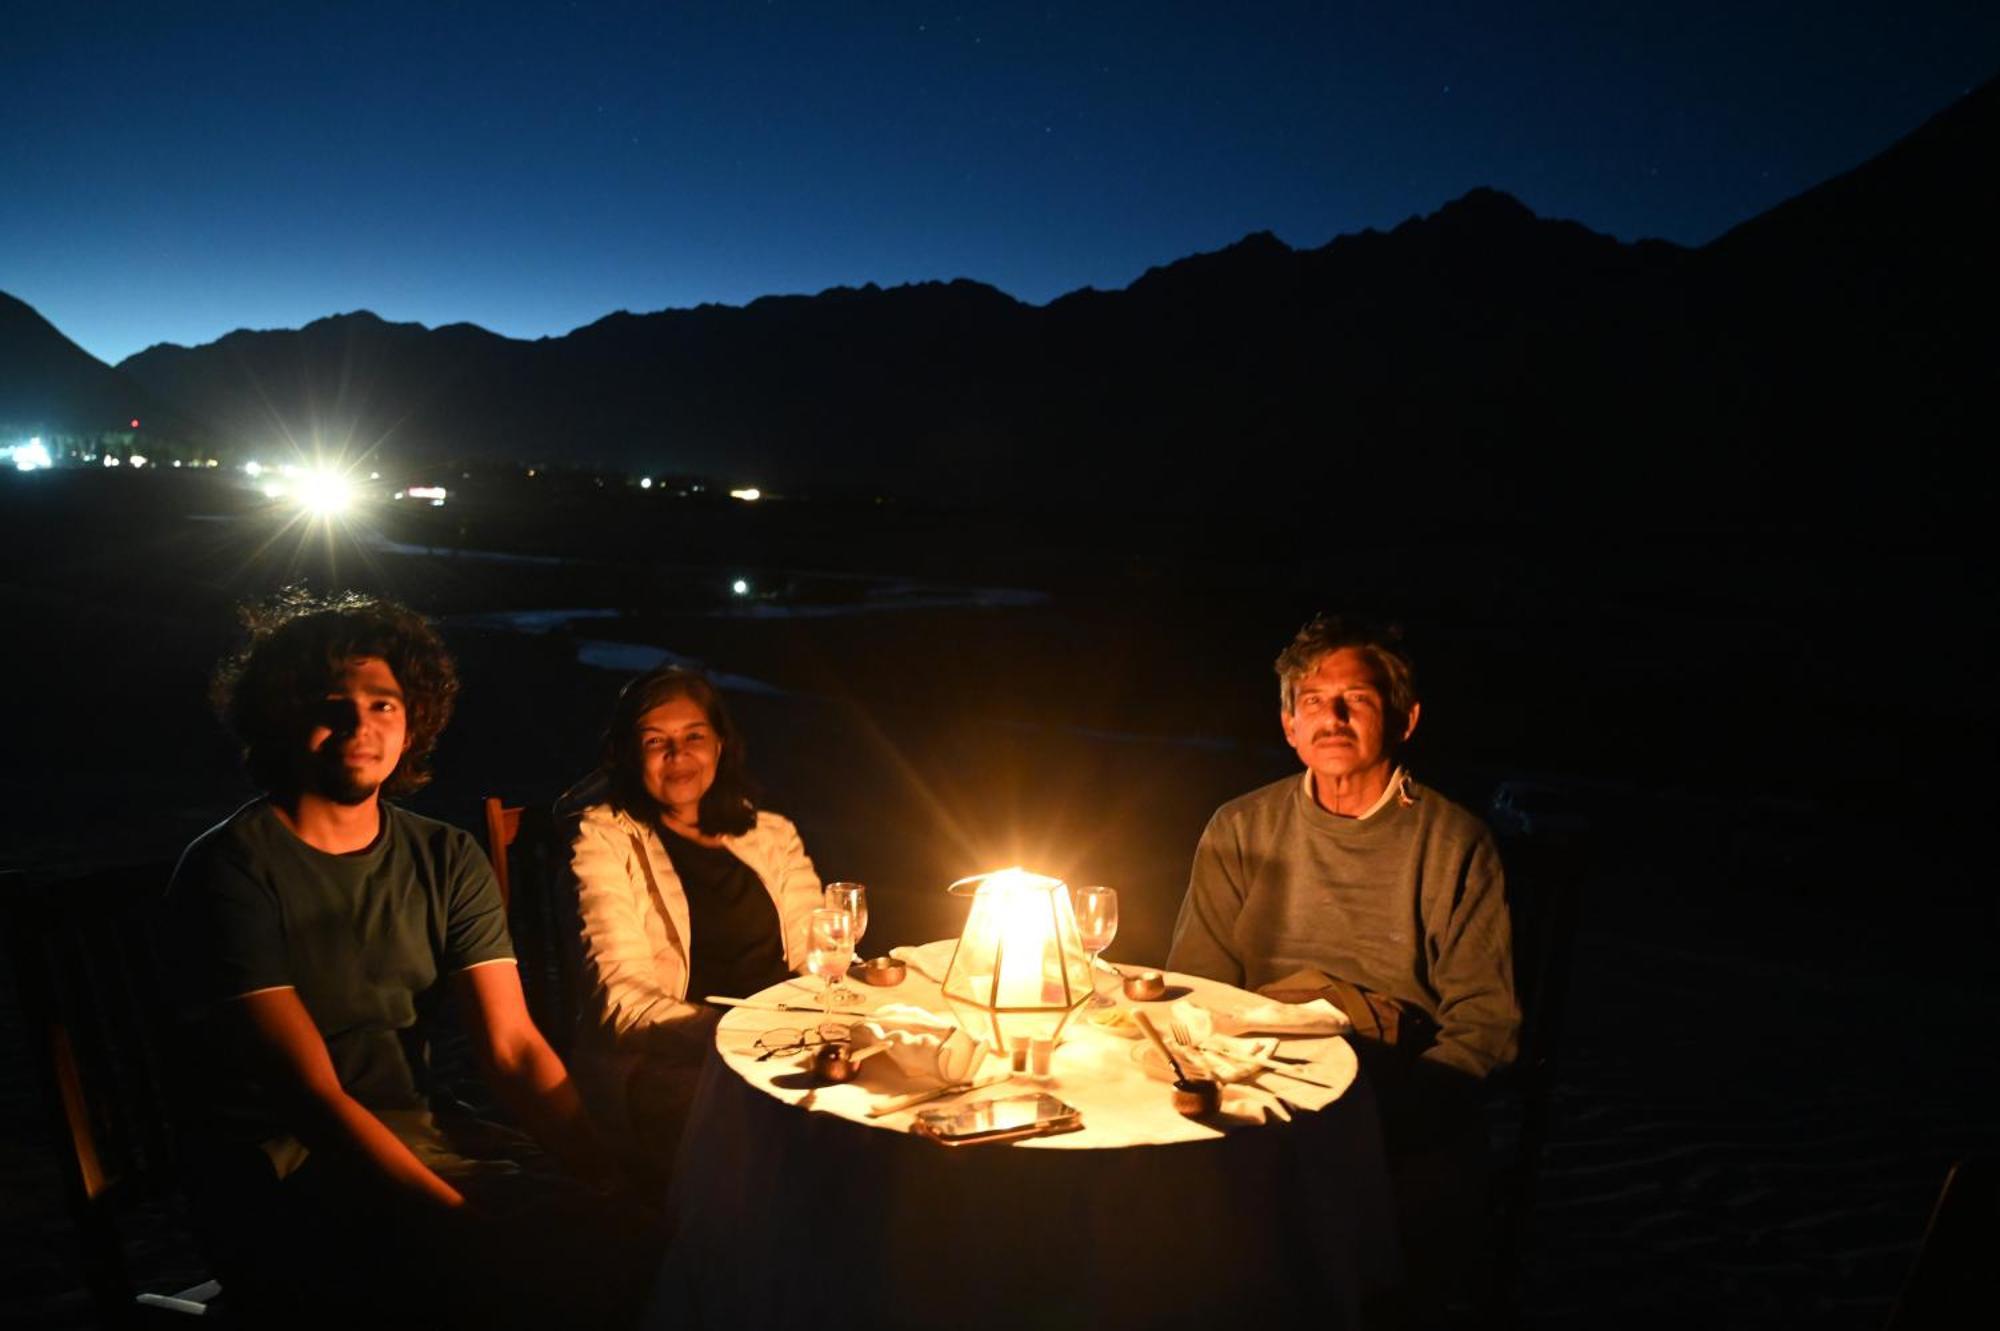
{"x":324,"y":494}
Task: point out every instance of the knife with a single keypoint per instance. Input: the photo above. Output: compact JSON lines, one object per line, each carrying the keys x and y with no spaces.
{"x":1285,"y":1071}
{"x":903,"y":1102}
{"x":720,"y":1001}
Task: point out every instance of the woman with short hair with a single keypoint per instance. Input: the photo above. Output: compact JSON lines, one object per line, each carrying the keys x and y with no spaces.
{"x":686,"y":888}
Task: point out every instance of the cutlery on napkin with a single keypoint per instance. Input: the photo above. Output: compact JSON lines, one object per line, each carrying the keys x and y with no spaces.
{"x":1234,"y":1057}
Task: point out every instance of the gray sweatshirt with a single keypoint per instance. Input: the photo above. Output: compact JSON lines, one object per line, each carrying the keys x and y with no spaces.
{"x":1409,"y":902}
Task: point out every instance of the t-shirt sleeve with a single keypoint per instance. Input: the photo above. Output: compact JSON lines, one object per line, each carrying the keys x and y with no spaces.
{"x":1479,"y":1018}
{"x":475,"y":929}
{"x":1202,"y":935}
{"x":229,"y":933}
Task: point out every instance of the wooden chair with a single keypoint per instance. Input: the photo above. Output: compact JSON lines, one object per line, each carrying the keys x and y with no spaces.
{"x":503,"y":828}
{"x":86,"y":955}
{"x":1952,"y":1283}
{"x":541,"y":915}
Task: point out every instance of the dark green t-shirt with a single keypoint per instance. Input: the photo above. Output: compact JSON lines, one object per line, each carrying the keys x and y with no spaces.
{"x":363,"y":938}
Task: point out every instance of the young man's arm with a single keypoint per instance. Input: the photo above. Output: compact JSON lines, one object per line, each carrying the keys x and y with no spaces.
{"x":282,"y":1044}
{"x":528,"y":1076}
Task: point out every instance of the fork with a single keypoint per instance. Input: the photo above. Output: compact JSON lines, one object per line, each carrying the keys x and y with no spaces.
{"x":1178,"y":1029}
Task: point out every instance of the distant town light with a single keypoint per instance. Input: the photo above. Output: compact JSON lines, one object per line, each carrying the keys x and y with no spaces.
{"x":434,"y":493}
{"x":645,"y":482}
{"x":253,"y":469}
{"x":749,"y":494}
{"x":741,"y":587}
{"x":139,"y":460}
{"x":135,"y":422}
{"x":31,"y":456}
{"x":111,"y":461}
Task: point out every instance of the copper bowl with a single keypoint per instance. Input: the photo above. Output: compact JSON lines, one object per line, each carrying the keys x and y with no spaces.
{"x":1145,"y":986}
{"x":1197,"y":1097}
{"x":883,"y":971}
{"x":831,"y":1062}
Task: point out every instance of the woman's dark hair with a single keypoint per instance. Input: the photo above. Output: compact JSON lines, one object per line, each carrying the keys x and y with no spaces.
{"x":268,"y":694}
{"x":729,"y":808}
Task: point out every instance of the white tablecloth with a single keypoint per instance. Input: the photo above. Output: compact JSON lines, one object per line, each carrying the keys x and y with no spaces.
{"x":785,"y":1194}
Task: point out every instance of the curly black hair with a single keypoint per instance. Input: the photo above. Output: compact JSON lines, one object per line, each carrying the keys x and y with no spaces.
{"x":729,"y":808}
{"x":299,"y":644}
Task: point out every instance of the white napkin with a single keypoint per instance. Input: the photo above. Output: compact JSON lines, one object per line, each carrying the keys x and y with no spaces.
{"x":929,"y":959}
{"x":923,"y":1046}
{"x":1318,"y":1017}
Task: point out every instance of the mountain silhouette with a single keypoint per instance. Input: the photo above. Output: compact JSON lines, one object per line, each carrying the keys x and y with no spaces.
{"x":1478,"y":364}
{"x":50,"y":385}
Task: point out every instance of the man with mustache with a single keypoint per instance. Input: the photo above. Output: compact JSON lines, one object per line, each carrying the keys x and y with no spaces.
{"x":1358,"y":883}
{"x":334,"y":1181}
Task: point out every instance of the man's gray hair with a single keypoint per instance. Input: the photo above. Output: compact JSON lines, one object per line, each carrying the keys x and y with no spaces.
{"x":1381,"y":644}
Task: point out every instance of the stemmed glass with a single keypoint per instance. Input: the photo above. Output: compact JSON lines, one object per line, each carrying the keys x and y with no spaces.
{"x":1096,"y":925}
{"x":852,"y":898}
{"x":829,"y":950}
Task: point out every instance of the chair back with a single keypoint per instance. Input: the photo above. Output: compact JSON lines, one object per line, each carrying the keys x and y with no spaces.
{"x":503,"y":827}
{"x":97,"y":1015}
{"x":541,"y":915}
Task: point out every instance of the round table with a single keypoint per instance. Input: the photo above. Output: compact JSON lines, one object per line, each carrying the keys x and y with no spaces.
{"x":792,"y":1207}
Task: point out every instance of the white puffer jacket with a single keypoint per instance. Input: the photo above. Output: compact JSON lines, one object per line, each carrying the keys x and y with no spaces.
{"x":636,"y":936}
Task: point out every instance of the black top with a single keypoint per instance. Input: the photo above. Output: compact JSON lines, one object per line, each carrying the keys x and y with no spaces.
{"x":737,"y":945}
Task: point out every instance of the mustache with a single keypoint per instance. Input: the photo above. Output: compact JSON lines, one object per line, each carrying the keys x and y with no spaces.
{"x":1338,"y":733}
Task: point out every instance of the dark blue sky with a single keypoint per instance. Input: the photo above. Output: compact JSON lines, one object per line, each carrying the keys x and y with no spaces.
{"x":172,"y":171}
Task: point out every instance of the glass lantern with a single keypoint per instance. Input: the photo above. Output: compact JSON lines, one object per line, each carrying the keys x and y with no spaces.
{"x":1019,"y":970}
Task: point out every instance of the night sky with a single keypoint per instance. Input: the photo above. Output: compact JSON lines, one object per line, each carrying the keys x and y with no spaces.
{"x":175,"y":171}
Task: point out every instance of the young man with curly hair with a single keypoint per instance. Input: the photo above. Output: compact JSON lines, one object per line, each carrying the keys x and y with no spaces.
{"x":317,"y":927}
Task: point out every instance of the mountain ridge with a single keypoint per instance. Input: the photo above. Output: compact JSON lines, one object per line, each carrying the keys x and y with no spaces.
{"x":1531,"y":361}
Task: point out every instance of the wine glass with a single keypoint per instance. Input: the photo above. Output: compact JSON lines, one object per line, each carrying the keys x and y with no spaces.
{"x":1096,"y":925}
{"x":852,"y":898}
{"x":829,"y":950}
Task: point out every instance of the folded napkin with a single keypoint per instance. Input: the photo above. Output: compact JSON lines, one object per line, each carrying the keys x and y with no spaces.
{"x":1318,"y":1017}
{"x":929,"y":959}
{"x":922,"y":1046}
